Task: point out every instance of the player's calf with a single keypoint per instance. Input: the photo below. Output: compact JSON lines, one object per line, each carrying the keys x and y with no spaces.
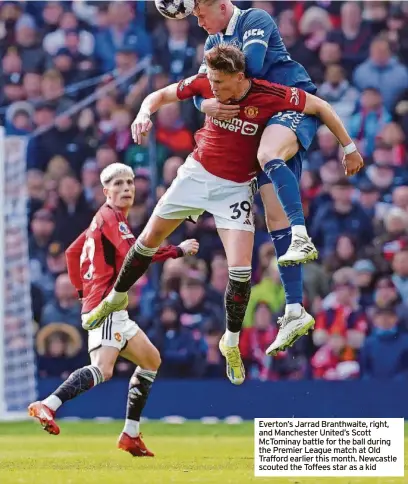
{"x":236,"y":301}
{"x":139,"y":389}
{"x":78,"y":382}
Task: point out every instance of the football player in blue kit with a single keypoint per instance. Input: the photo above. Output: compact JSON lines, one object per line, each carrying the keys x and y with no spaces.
{"x":282,"y":149}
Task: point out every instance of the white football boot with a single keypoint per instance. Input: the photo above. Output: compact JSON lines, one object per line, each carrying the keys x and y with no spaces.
{"x":291,"y":328}
{"x":300,"y":251}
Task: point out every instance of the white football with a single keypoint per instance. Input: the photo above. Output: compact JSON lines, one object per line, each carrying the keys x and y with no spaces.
{"x":175,"y":9}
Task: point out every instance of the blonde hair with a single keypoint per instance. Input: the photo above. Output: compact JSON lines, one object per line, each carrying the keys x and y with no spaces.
{"x":225,"y":58}
{"x":114,"y":170}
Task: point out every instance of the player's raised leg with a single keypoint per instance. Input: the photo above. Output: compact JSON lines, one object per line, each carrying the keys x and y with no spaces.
{"x":279,"y":144}
{"x":238,"y":245}
{"x":145,"y":355}
{"x":135,"y":265}
{"x":296,"y":321}
{"x":101,"y":368}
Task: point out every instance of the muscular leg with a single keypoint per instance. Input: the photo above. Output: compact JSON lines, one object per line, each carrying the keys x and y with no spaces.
{"x":102,"y":362}
{"x":238,"y":245}
{"x":100,"y":370}
{"x":145,"y":355}
{"x":279,"y":144}
{"x":281,"y":235}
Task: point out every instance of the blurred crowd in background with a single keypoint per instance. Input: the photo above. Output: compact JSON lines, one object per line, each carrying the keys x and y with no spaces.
{"x":55,"y":54}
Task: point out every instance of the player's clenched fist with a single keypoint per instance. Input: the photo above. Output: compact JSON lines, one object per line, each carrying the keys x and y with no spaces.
{"x":217,"y":110}
{"x":140,"y":126}
{"x":190,"y":247}
{"x":352,"y":163}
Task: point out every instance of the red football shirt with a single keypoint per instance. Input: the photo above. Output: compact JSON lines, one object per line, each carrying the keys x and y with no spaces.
{"x":228,"y":149}
{"x":95,"y":258}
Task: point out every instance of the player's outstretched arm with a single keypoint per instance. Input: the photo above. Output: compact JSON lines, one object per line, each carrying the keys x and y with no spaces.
{"x":73,"y":257}
{"x":188,"y":247}
{"x":352,"y":161}
{"x":153,"y":102}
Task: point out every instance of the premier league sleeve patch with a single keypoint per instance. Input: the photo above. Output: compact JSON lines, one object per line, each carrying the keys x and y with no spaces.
{"x":125,"y":231}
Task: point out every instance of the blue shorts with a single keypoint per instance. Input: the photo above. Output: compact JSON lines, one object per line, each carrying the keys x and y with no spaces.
{"x":305,"y":128}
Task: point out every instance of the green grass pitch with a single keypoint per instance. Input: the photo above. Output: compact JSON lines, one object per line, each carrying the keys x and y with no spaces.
{"x":85,"y":452}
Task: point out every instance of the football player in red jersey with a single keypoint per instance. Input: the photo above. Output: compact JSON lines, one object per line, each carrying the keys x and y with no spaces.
{"x":93,"y":261}
{"x":217,"y":178}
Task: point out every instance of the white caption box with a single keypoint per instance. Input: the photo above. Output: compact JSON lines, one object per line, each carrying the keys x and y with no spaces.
{"x":330,"y":447}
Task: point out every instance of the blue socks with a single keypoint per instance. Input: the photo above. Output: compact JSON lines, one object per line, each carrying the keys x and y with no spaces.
{"x":287,"y":188}
{"x":291,"y":276}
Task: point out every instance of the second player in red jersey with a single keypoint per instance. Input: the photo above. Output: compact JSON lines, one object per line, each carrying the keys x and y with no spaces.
{"x":96,"y":256}
{"x":228,"y":149}
{"x":93,"y":263}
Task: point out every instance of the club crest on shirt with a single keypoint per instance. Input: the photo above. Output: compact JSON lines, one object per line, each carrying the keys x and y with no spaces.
{"x":236,"y":43}
{"x":118,"y":337}
{"x":123,"y":228}
{"x":251,"y":112}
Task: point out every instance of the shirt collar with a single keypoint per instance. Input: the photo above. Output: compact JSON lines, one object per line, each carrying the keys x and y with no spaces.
{"x":233,"y":22}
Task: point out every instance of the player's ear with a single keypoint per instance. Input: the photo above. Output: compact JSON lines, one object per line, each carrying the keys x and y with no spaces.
{"x":105,"y":191}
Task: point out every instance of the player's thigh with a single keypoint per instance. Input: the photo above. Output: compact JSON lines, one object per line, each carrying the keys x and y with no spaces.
{"x":104,"y":358}
{"x":185,"y":198}
{"x":238,"y":246}
{"x":106,"y":342}
{"x":275,"y":215}
{"x":277,"y":142}
{"x":142,"y":352}
{"x":157,"y":229}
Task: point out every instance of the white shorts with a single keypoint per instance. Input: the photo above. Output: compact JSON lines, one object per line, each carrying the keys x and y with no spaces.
{"x":116,"y":331}
{"x":195,"y":191}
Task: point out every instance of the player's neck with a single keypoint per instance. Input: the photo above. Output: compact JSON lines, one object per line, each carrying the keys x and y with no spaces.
{"x":125,"y":211}
{"x":229,"y":12}
{"x":246,"y":86}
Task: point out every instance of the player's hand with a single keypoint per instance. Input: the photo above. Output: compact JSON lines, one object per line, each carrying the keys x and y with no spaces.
{"x":190,"y":247}
{"x":140,"y":127}
{"x":220,"y":111}
{"x":352,"y":163}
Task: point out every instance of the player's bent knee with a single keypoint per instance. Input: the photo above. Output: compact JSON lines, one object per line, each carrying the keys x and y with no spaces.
{"x":152,"y":361}
{"x":106,"y":370}
{"x":277,"y":150}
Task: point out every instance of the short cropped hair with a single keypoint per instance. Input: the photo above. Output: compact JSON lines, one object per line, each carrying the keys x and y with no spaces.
{"x":114,"y":170}
{"x":205,"y":2}
{"x":225,"y":58}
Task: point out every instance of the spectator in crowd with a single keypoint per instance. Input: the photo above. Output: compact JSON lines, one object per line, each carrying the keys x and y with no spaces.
{"x":389,"y":342}
{"x":182,"y":354}
{"x":342,"y":314}
{"x":342,"y":215}
{"x":382,"y":72}
{"x":268,"y":290}
{"x":335,"y":360}
{"x":175,"y":48}
{"x":353,"y":36}
{"x":120,"y":31}
{"x":65,"y":307}
{"x":42,"y":231}
{"x":400,"y":275}
{"x":73,"y":215}
{"x":58,"y":38}
{"x":338,"y":91}
{"x":367,"y":122}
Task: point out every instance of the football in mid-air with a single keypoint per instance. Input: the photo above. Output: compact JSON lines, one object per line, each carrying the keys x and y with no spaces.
{"x":175,"y":9}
